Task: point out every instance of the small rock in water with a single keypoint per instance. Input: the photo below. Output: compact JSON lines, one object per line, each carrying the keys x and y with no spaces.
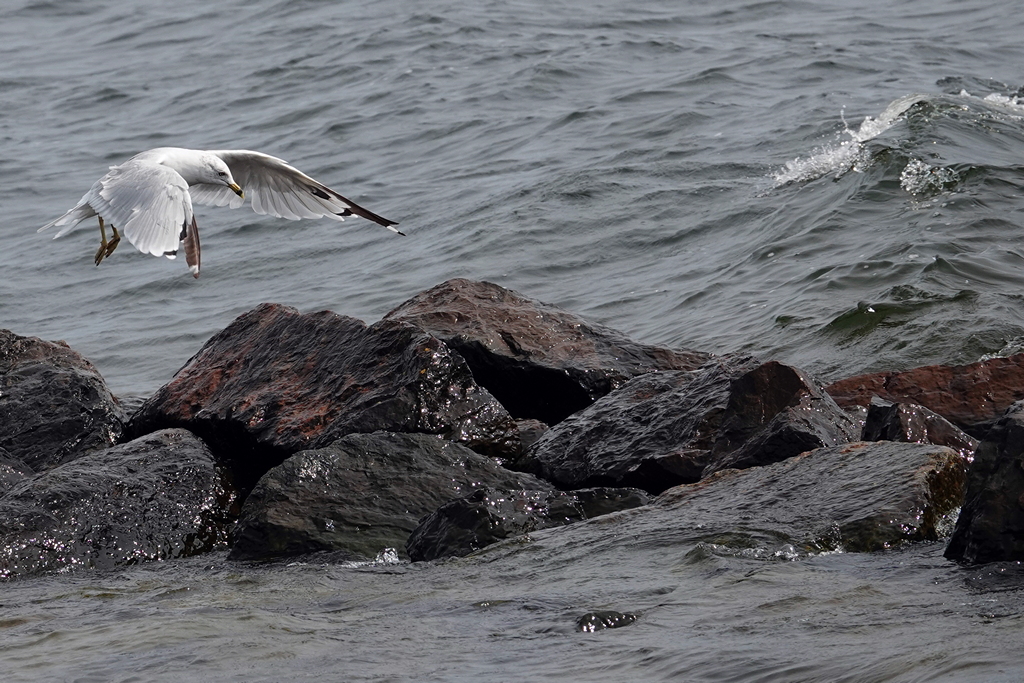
{"x":598,"y":621}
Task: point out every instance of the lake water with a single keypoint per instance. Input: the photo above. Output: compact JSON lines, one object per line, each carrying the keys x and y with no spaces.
{"x":832,"y":184}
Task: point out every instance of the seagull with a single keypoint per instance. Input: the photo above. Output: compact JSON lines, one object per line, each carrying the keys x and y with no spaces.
{"x":150,"y":197}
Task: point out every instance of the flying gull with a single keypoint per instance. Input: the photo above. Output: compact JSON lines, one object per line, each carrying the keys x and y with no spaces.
{"x":150,"y":197}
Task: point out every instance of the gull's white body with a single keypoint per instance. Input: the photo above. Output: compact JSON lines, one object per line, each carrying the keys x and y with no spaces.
{"x":150,"y":196}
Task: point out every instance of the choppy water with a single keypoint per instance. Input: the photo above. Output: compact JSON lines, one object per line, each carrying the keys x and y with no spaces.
{"x":836,"y":184}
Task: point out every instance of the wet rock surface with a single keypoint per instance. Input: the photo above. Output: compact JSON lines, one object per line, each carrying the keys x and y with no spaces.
{"x":54,"y":405}
{"x":668,"y":428}
{"x":970,"y":396}
{"x":488,"y":515}
{"x":361,"y":494}
{"x":158,"y":497}
{"x":540,"y":361}
{"x":991,"y":523}
{"x":915,"y":424}
{"x":276,"y":381}
{"x":602,"y":619}
{"x":858,"y":497}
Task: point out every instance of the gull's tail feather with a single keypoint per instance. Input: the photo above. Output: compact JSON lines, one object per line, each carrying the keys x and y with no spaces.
{"x":70,"y":220}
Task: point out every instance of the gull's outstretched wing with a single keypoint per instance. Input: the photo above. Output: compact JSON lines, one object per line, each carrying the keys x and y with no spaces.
{"x":279,"y":189}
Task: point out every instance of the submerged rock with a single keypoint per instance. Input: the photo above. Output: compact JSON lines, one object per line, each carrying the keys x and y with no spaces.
{"x":488,"y":515}
{"x":857,"y":497}
{"x":602,"y":619}
{"x":276,"y":381}
{"x":670,"y":428}
{"x":915,"y":424}
{"x":970,"y":396}
{"x":54,"y":405}
{"x":155,"y":498}
{"x":991,"y":523}
{"x":540,"y":361}
{"x":360,"y":494}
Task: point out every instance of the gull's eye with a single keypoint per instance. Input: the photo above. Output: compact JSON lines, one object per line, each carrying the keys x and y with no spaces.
{"x":222,"y":174}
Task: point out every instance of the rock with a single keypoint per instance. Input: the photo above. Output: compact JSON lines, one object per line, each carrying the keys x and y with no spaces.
{"x":540,"y":361}
{"x":276,"y":381}
{"x":915,"y":424}
{"x":488,"y":515}
{"x":970,"y":396}
{"x":991,"y":523}
{"x":530,"y":431}
{"x":857,"y":497}
{"x":775,"y":412}
{"x":54,"y":405}
{"x":12,"y":471}
{"x":669,"y":428}
{"x":158,"y":497}
{"x":360,"y":494}
{"x":602,"y":619}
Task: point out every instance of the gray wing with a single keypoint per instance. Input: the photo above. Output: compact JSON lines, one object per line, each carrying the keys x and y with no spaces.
{"x":149,"y":203}
{"x":279,"y":189}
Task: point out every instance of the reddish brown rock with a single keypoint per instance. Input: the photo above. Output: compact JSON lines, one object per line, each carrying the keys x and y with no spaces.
{"x":966,"y":395}
{"x":54,"y":405}
{"x":540,"y":361}
{"x":276,"y":381}
{"x":915,"y":424}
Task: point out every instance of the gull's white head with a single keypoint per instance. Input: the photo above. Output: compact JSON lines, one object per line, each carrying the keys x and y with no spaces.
{"x":215,"y":172}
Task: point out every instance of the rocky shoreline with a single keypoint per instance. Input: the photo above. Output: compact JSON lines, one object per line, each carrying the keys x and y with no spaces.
{"x":471,"y":414}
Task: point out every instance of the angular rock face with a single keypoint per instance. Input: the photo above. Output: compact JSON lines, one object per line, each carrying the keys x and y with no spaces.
{"x":915,"y":424}
{"x":859,"y":497}
{"x":12,"y":471}
{"x":488,"y":515}
{"x":991,"y":523}
{"x":361,"y":494}
{"x":155,"y":498}
{"x":540,"y":361}
{"x":54,"y":406}
{"x":276,"y":381}
{"x":970,"y":396}
{"x":775,"y":412}
{"x":670,"y":428}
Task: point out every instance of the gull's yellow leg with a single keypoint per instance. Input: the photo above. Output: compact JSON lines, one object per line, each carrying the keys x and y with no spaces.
{"x":103,"y":243}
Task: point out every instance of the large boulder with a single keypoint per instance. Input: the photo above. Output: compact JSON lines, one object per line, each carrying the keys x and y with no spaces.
{"x":54,"y":405}
{"x":361,"y":494}
{"x":668,"y":428}
{"x":540,"y":361}
{"x":970,"y":396}
{"x":277,"y":381}
{"x":158,"y":497}
{"x":991,"y":523}
{"x":489,"y":515}
{"x":857,"y":497}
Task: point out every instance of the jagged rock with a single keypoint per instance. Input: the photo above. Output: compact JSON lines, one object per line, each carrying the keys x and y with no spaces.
{"x":12,"y":471}
{"x":360,"y":494}
{"x":530,"y":431}
{"x":669,"y":428}
{"x":488,"y":515}
{"x":858,"y":497}
{"x":970,"y":396}
{"x":915,"y":424}
{"x":158,"y":497}
{"x":276,"y":381}
{"x":776,"y":411}
{"x":540,"y":361}
{"x":991,"y":523}
{"x":54,"y":405}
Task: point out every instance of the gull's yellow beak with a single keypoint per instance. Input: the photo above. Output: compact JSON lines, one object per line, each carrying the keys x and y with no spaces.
{"x":237,"y":190}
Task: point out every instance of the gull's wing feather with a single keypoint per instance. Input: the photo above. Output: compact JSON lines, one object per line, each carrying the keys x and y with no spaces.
{"x":277,"y":188}
{"x":149,"y":202}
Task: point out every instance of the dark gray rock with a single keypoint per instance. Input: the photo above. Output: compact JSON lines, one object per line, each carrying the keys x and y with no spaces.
{"x":360,"y":494}
{"x":540,"y":361}
{"x":603,"y":619}
{"x":158,"y":497}
{"x":991,"y":523}
{"x":775,"y":412}
{"x":488,"y":515}
{"x":54,"y":405}
{"x":276,"y":381}
{"x":858,"y":497}
{"x":915,"y":424}
{"x":12,"y":471}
